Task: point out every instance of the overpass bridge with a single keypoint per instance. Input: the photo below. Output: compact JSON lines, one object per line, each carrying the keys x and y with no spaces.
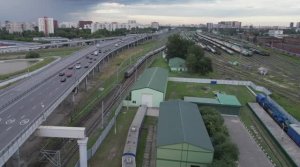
{"x":25,"y":106}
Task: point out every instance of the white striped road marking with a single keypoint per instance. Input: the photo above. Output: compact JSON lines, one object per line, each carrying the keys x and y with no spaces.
{"x":24,"y":121}
{"x":22,"y":116}
{"x":8,"y":128}
{"x":10,"y":121}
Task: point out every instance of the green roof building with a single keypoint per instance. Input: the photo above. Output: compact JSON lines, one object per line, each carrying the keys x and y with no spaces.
{"x":182,"y":138}
{"x":150,"y":89}
{"x":177,"y":64}
{"x":225,"y":104}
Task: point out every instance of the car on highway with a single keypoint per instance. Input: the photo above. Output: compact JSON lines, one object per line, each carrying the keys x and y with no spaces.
{"x":95,"y":59}
{"x":63,"y":79}
{"x":90,"y":62}
{"x":69,"y":74}
{"x":87,"y":57}
{"x":70,"y":67}
{"x":86,"y":66}
{"x":61,"y":74}
{"x":116,"y":45}
{"x":78,"y":66}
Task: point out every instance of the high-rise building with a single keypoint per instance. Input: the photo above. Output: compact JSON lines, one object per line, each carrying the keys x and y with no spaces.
{"x":210,"y":26}
{"x":46,"y":25}
{"x":155,"y":25}
{"x":55,"y":24}
{"x":85,"y":24}
{"x":298,"y":25}
{"x":230,"y":24}
{"x":291,"y":25}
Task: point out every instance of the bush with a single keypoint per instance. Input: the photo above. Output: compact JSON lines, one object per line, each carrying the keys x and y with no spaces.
{"x":31,"y":55}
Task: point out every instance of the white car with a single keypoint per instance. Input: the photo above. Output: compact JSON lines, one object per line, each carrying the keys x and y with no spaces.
{"x":78,"y":66}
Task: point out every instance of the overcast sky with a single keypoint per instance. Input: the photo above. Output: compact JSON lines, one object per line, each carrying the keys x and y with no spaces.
{"x":256,"y":12}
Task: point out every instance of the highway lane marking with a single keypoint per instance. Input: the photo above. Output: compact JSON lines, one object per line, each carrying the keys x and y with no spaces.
{"x":10,"y":121}
{"x":22,"y":116}
{"x":8,"y":128}
{"x":24,"y":121}
{"x":9,"y":116}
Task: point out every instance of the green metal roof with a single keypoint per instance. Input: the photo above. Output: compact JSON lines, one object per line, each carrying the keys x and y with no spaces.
{"x":201,"y":100}
{"x":181,"y":122}
{"x":228,"y":100}
{"x":155,"y":78}
{"x":177,"y":62}
{"x":222,"y":99}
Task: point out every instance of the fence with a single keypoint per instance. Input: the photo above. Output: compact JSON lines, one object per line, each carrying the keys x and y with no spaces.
{"x":222,"y":82}
{"x":92,"y":151}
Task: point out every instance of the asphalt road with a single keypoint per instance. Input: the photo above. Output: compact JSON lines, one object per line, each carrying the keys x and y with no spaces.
{"x":250,"y":154}
{"x":46,"y":89}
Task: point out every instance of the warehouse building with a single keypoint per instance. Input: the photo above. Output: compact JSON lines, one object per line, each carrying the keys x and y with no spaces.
{"x":182,"y":138}
{"x":177,"y":64}
{"x":150,"y":89}
{"x":225,"y":104}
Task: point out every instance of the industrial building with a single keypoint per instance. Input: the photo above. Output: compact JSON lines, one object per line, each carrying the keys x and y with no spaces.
{"x":150,"y":89}
{"x":177,"y":64}
{"x":225,"y":104}
{"x":182,"y":138}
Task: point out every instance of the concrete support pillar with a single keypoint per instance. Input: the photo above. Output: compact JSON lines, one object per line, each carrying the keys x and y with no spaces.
{"x":85,"y":83}
{"x":73,"y":97}
{"x":82,"y":143}
{"x":16,"y":160}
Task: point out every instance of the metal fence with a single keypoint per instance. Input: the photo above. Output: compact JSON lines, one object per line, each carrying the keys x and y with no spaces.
{"x":92,"y":151}
{"x":222,"y":82}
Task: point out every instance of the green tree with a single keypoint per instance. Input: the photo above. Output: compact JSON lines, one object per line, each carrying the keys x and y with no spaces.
{"x":177,"y":47}
{"x":32,"y":54}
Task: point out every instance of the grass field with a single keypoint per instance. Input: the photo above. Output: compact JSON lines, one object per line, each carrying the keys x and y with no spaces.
{"x":110,"y":153}
{"x":48,"y":55}
{"x":281,"y":81}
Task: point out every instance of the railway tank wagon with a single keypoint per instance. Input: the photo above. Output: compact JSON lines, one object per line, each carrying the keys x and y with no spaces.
{"x":290,"y":125}
{"x":129,"y":153}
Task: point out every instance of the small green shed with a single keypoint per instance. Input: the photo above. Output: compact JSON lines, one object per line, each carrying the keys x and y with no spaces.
{"x":150,"y":89}
{"x":177,"y":64}
{"x":182,"y":138}
{"x":225,"y":104}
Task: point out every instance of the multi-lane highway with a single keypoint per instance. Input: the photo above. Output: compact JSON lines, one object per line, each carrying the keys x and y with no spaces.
{"x":25,"y":106}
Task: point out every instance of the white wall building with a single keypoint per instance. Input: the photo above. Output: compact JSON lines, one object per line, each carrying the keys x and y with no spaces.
{"x":46,"y":25}
{"x":155,"y":25}
{"x":68,"y":25}
{"x":276,"y":33}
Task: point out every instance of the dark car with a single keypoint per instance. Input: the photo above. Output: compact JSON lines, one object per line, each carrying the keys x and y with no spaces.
{"x":70,"y":67}
{"x":95,"y":59}
{"x":63,"y":79}
{"x":90,"y":62}
{"x":86,"y":66}
{"x":61,"y":74}
{"x":87,"y":57}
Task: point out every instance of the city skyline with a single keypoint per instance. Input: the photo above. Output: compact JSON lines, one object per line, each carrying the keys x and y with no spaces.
{"x":256,"y":12}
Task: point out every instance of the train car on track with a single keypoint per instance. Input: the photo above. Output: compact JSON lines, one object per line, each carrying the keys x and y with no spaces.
{"x":141,"y":60}
{"x":281,"y":117}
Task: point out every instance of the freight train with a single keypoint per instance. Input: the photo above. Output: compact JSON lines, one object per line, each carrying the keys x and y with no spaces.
{"x":289,"y":124}
{"x":141,"y":60}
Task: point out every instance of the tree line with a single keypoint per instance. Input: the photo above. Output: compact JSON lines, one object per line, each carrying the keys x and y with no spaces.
{"x":70,"y":33}
{"x":226,"y":153}
{"x":196,"y":61}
